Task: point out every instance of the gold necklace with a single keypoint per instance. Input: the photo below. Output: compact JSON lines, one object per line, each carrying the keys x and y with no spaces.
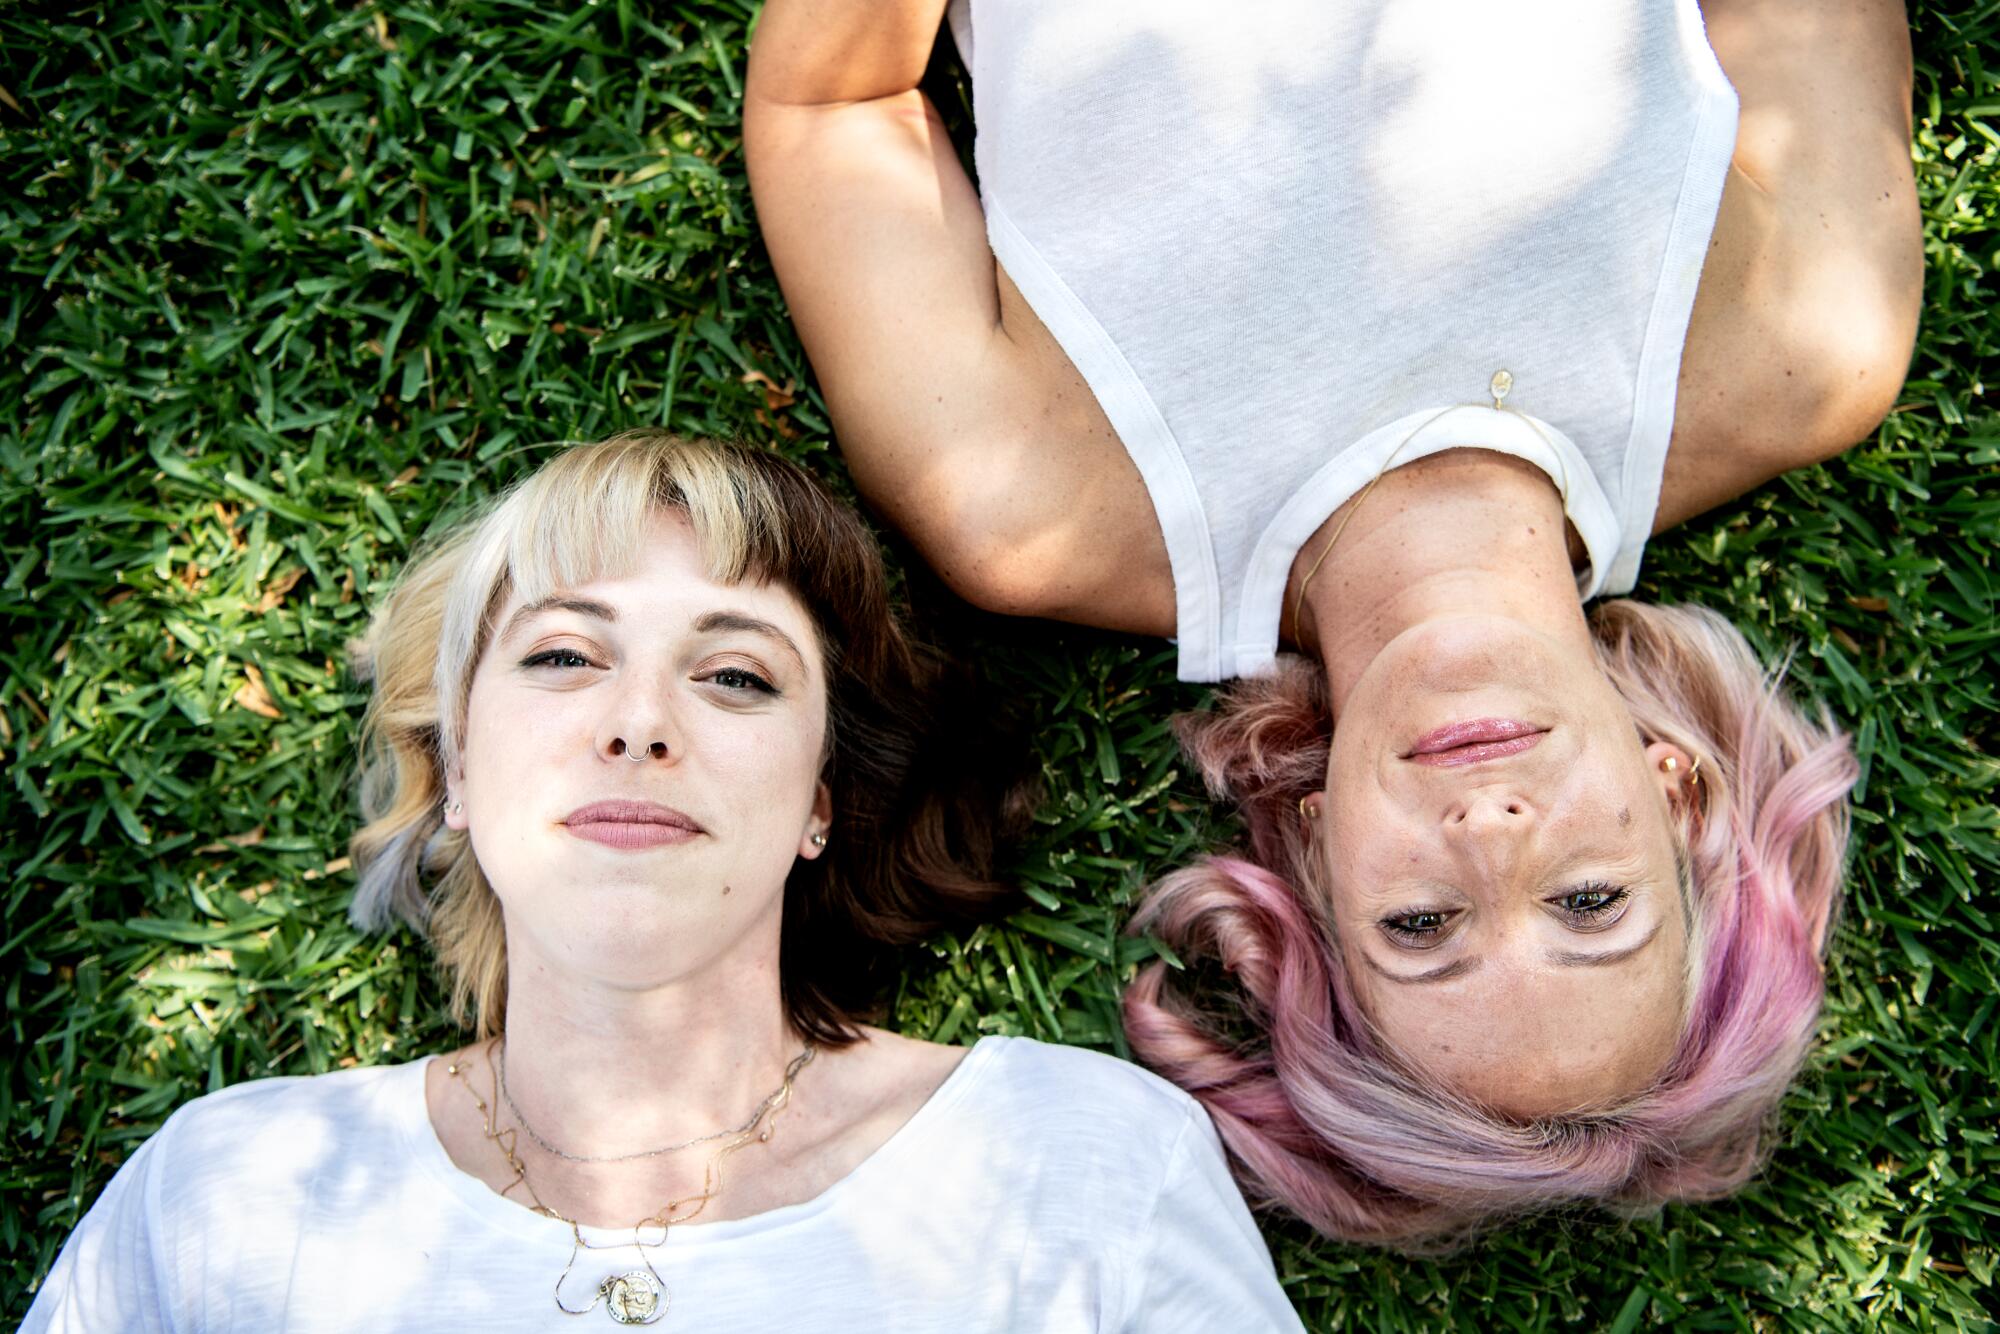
{"x":638,"y":1296}
{"x":507,"y":1097}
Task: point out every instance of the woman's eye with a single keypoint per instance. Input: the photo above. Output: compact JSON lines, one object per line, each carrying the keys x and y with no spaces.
{"x":556,"y":657}
{"x":1415,"y":926}
{"x":1592,"y":901}
{"x":740,"y":678}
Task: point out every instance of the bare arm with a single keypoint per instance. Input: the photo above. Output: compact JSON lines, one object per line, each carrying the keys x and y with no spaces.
{"x":1808,"y":303}
{"x":962,"y":421}
{"x":876,"y":233}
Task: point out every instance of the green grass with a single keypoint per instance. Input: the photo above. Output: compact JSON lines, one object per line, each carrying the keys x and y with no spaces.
{"x":282,"y":288}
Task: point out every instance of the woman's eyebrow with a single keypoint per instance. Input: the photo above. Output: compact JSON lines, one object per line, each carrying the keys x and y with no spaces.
{"x":713,"y":621}
{"x":581,"y":606}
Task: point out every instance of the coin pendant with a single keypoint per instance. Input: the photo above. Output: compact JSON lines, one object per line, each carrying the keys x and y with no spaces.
{"x":635,"y":1298}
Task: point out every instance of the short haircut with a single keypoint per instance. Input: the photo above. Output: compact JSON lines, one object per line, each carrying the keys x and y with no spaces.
{"x":924,"y":786}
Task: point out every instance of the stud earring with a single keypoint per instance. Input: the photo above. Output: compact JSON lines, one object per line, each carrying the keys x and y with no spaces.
{"x":454,"y":806}
{"x":1307,"y":811}
{"x":1670,"y":764}
{"x":819,"y":840}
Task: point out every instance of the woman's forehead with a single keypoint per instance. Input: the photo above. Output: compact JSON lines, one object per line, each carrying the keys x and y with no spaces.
{"x":663,"y":579}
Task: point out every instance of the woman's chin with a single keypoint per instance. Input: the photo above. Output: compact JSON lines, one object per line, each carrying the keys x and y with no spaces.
{"x":1490,"y":666}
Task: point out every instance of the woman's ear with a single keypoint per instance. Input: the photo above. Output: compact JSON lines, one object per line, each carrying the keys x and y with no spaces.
{"x":1674,"y":769}
{"x":819,"y":824}
{"x":454,"y":798}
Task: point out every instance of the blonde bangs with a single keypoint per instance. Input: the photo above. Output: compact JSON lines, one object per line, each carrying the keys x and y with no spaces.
{"x":583,"y":516}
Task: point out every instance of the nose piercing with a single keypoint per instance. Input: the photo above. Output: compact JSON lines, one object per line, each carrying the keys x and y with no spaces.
{"x":640,"y":756}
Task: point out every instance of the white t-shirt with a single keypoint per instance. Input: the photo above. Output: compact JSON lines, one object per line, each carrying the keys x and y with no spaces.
{"x":1288,"y":244}
{"x":1040,"y":1188}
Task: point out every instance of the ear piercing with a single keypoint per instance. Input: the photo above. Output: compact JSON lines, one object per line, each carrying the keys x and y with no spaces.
{"x":1307,"y":811}
{"x":454,"y":806}
{"x":819,"y":840}
{"x":1672,"y":764}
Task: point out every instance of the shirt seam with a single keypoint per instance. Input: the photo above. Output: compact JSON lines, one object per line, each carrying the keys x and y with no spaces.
{"x":1409,"y":438}
{"x":1143,"y":431}
{"x":1655,"y":388}
{"x":421,"y":1144}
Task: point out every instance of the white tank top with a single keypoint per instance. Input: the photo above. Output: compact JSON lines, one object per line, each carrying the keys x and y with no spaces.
{"x":1280,"y":239}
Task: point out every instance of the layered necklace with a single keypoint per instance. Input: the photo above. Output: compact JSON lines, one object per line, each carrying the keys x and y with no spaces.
{"x":638,"y":1296}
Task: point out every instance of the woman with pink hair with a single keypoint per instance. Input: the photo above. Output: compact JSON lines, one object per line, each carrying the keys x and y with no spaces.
{"x":1389,"y":333}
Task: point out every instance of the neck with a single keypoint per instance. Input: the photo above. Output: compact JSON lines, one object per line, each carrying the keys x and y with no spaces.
{"x":599,"y":1070}
{"x":1465,"y":532}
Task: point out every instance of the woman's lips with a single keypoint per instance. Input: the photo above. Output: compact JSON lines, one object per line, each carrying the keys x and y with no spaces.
{"x":1471,"y":742}
{"x":630,"y":824}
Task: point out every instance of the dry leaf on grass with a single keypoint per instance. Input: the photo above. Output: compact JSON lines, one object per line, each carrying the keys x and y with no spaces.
{"x":274,"y":592}
{"x":774,"y":396}
{"x":249,"y":838}
{"x":253,"y":696}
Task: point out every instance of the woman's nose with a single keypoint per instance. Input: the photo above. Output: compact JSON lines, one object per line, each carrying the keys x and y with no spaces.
{"x":1489,"y":811}
{"x":638,"y":724}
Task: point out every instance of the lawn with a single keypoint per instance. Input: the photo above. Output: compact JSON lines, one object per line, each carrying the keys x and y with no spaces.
{"x":287,"y":284}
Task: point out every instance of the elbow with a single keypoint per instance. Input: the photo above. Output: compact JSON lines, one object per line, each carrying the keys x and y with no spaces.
{"x":973,"y":531}
{"x":989,"y":569}
{"x":1847,"y":358}
{"x":1860,"y":365}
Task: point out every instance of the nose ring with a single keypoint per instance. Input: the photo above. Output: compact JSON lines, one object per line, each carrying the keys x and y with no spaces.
{"x":641,"y":756}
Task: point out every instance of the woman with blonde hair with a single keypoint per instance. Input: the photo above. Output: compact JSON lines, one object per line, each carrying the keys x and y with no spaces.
{"x":1389,"y":332}
{"x":652,"y":763}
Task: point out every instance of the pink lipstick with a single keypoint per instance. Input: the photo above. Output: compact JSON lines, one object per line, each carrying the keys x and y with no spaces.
{"x":631,"y":824}
{"x":1471,"y":742}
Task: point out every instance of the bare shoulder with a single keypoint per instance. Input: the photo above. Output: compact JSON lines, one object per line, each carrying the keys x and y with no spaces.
{"x":892,"y":1073}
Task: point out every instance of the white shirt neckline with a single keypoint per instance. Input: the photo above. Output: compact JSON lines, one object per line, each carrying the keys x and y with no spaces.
{"x":503,"y":1214}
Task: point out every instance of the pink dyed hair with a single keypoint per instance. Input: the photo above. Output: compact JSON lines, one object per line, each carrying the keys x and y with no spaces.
{"x":1323,"y":1122}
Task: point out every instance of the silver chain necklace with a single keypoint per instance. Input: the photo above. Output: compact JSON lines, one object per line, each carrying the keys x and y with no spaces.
{"x":791,"y":1072}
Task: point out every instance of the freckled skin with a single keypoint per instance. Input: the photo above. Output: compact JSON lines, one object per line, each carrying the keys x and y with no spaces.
{"x":1494,"y":847}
